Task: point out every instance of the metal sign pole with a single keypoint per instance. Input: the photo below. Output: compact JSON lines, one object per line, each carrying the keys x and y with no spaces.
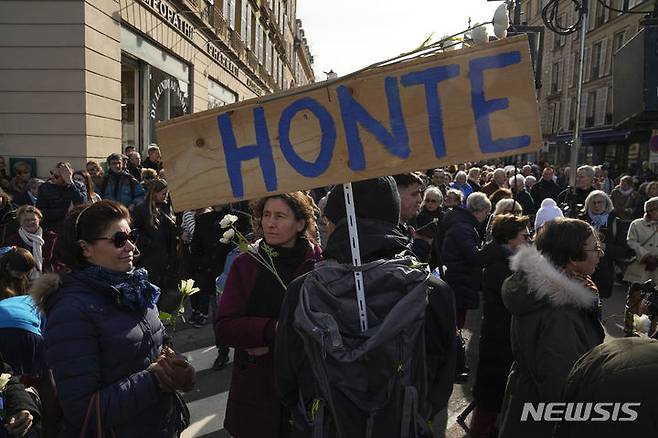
{"x":356,"y":255}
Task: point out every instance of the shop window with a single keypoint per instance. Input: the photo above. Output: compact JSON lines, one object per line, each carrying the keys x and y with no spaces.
{"x":219,"y":95}
{"x":130,"y":92}
{"x":168,"y":98}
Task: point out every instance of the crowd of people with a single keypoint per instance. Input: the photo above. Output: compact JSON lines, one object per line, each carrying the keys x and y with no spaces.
{"x":90,"y":256}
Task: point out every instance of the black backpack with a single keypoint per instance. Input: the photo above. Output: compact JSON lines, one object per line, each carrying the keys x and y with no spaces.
{"x":372,"y":383}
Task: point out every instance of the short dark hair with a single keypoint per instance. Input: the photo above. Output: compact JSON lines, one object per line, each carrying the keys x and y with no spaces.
{"x":114,"y":157}
{"x":505,"y":227}
{"x":501,"y":193}
{"x":86,"y":223}
{"x":407,"y":179}
{"x":563,"y":239}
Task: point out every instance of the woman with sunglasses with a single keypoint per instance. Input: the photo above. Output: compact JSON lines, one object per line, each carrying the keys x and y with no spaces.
{"x":509,"y":234}
{"x":555,"y":311}
{"x":104,"y":340}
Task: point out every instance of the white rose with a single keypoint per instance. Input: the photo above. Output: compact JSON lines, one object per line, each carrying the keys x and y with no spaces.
{"x":227,"y":236}
{"x":479,"y":35}
{"x":501,"y":21}
{"x":228,"y":220}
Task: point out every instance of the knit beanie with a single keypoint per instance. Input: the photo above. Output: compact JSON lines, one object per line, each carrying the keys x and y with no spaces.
{"x":376,"y":198}
{"x":548,"y":211}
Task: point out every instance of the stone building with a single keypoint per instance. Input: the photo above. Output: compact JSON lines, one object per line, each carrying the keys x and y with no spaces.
{"x":82,"y":79}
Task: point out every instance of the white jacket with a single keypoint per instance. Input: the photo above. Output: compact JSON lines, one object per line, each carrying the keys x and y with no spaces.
{"x":643,"y":239}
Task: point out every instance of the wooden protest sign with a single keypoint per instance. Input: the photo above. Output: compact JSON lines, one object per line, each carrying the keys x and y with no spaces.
{"x":466,"y":105}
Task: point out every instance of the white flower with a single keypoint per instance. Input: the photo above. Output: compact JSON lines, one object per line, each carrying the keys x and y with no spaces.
{"x":479,"y":35}
{"x":449,"y":43}
{"x":4,"y":379}
{"x":228,"y":220}
{"x":501,"y":21}
{"x":641,"y":324}
{"x":227,"y":236}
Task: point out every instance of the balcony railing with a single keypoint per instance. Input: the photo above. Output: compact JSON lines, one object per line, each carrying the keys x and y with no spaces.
{"x":219,"y":23}
{"x":236,"y":43}
{"x":253,"y":62}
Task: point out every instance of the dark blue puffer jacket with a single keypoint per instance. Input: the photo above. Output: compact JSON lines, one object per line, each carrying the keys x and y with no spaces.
{"x":461,"y":256}
{"x":93,"y":344}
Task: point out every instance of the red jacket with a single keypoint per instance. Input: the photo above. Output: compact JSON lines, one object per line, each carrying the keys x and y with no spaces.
{"x":47,"y":250}
{"x":253,"y":409}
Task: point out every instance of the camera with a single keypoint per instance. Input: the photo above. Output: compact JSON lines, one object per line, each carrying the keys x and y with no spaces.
{"x":650,"y":293}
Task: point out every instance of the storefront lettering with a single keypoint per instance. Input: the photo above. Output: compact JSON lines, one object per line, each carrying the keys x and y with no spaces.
{"x":167,"y":84}
{"x":172,"y":16}
{"x":215,"y":53}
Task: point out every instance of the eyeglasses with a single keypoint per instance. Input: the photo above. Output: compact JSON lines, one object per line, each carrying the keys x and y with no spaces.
{"x":597,"y":248}
{"x":120,"y":238}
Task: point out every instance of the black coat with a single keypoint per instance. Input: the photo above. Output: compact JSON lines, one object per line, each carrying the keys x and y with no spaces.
{"x":572,"y":201}
{"x":544,"y":189}
{"x":157,"y":245}
{"x":615,"y":246}
{"x":294,"y":376}
{"x":208,"y":253}
{"x":54,"y":202}
{"x":461,"y":257}
{"x":16,"y":399}
{"x":526,"y":201}
{"x":495,"y":347}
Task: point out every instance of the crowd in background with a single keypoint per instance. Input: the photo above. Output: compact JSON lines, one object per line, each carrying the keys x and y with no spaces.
{"x":471,"y":223}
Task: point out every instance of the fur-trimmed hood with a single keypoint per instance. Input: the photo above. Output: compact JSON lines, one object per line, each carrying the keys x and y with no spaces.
{"x":536,"y":282}
{"x":43,"y":288}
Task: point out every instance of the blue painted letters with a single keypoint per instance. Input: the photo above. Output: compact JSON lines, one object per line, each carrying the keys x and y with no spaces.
{"x":482,"y":107}
{"x":327,"y":143}
{"x":353,"y":113}
{"x":431,"y":78}
{"x":235,"y":156}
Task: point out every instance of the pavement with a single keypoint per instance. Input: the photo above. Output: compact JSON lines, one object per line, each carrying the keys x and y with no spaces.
{"x":207,"y":403}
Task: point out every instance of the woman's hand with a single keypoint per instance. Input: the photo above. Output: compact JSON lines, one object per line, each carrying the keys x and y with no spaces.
{"x":19,"y":424}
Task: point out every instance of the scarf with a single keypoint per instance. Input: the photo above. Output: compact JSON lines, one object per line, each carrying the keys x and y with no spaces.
{"x":35,"y":241}
{"x":267,"y":296}
{"x":132,"y":288}
{"x":589,"y":284}
{"x":625,"y":192}
{"x":599,"y":220}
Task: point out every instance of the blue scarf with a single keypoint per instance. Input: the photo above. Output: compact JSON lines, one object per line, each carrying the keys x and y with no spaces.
{"x":599,"y":220}
{"x":132,"y":288}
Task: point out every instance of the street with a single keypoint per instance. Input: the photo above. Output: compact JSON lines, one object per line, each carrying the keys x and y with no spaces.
{"x":207,"y":403}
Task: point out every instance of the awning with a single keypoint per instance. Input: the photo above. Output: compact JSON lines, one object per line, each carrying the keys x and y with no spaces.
{"x":595,"y":136}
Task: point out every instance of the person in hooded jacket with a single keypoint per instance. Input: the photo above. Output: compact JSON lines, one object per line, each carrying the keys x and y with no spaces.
{"x":510,"y":233}
{"x":377,"y":208}
{"x":555,"y":318}
{"x":246,"y":318}
{"x":104,"y":339}
{"x":621,"y":371}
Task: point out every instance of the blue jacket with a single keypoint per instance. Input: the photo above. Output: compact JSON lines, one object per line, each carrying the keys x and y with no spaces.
{"x":461,"y":256}
{"x":128,"y":192}
{"x":20,"y":313}
{"x":466,"y":189}
{"x":93,"y":344}
{"x":54,"y":202}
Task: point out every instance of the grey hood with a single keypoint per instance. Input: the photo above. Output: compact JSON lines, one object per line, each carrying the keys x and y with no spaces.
{"x":536,"y":283}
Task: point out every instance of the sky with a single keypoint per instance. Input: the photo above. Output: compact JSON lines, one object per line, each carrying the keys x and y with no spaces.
{"x":346,"y":35}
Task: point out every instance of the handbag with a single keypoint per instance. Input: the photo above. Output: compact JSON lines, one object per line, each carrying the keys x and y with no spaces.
{"x":94,"y":403}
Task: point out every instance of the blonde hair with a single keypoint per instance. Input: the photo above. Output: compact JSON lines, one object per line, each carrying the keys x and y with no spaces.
{"x":27,"y":209}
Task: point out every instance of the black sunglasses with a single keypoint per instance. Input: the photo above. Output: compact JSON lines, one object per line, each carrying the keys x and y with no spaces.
{"x":120,"y":238}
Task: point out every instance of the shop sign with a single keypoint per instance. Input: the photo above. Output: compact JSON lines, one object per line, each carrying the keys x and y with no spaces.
{"x":216,"y":54}
{"x":171,"y":15}
{"x":167,"y":84}
{"x":467,"y":105}
{"x":254,"y":87}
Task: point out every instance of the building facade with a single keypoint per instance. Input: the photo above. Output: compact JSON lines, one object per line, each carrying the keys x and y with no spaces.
{"x":607,"y":31}
{"x":82,"y":79}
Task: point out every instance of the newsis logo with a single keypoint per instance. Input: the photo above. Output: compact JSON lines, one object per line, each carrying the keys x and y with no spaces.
{"x":600,"y":411}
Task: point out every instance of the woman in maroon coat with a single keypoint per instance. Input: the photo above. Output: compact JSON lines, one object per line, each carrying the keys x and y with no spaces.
{"x":249,"y":308}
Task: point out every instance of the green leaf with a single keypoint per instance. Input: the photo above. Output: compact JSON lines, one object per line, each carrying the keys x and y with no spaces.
{"x":165,"y":317}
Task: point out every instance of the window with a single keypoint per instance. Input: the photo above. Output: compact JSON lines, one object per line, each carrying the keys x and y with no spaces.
{"x":228,"y":10}
{"x":591,"y":109}
{"x":595,"y":62}
{"x":219,"y":95}
{"x":601,"y":13}
{"x":555,"y":117}
{"x":574,"y":69}
{"x":130,"y":101}
{"x":608,"y":108}
{"x":572,"y":114}
{"x":555,"y":78}
{"x":618,"y":41}
{"x":245,"y":21}
{"x":270,"y":56}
